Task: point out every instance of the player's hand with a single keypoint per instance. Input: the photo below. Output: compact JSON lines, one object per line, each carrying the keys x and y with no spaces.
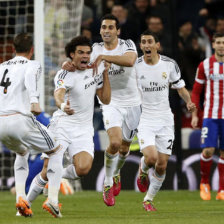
{"x":96,"y":64}
{"x":194,"y":122}
{"x":106,"y":66}
{"x":191,"y":106}
{"x":68,"y":66}
{"x":67,"y":108}
{"x":35,"y":108}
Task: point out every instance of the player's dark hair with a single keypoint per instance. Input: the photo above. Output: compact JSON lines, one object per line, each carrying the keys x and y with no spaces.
{"x":111,"y":17}
{"x":148,"y":32}
{"x":77,"y":41}
{"x":23,"y":43}
{"x":217,"y":35}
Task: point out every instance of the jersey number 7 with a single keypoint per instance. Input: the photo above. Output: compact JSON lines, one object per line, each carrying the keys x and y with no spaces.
{"x":4,"y":83}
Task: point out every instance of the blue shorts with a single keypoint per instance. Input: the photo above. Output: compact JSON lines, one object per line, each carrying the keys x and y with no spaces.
{"x":212,"y":133}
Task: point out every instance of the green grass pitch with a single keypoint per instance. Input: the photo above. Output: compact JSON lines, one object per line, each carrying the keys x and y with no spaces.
{"x":87,"y":207}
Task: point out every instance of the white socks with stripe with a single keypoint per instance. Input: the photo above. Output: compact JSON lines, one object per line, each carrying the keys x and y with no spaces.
{"x":120,"y":163}
{"x":156,"y":182}
{"x":36,"y":188}
{"x":110,"y":162}
{"x":21,"y":170}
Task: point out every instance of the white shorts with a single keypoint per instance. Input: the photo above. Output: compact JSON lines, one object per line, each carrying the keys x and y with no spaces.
{"x":127,"y":118}
{"x":20,"y":133}
{"x":160,"y":136}
{"x":76,"y":138}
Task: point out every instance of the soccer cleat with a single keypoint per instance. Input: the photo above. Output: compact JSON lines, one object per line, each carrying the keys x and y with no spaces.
{"x":54,"y":210}
{"x":205,"y":192}
{"x":220,"y":195}
{"x":148,"y":206}
{"x":143,"y":181}
{"x":117,"y":184}
{"x":108,"y":196}
{"x":23,"y":208}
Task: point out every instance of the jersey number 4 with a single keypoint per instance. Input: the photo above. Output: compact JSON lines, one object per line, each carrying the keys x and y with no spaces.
{"x":4,"y":83}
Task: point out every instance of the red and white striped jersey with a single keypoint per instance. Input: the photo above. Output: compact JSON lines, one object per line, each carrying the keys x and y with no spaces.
{"x":210,"y":73}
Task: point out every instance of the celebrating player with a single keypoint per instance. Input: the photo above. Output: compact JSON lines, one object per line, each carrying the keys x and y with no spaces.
{"x":19,"y":130}
{"x":210,"y":74}
{"x":72,"y":123}
{"x":156,"y":128}
{"x":121,"y":116}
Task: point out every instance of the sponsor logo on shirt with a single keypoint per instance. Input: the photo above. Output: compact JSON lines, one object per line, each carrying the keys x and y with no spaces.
{"x":116,"y":71}
{"x":142,"y":141}
{"x":216,"y":77}
{"x":154,"y":87}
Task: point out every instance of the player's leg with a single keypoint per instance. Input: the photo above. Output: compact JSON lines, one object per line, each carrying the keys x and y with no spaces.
{"x":156,"y":181}
{"x":209,"y":137}
{"x":38,"y":182}
{"x":148,"y":160}
{"x":131,"y":117}
{"x":163,"y":142}
{"x":146,"y":137}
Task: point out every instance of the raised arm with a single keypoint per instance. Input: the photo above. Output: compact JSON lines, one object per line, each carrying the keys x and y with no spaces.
{"x":104,"y":93}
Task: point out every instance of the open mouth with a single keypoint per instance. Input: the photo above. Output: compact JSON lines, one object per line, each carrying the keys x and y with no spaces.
{"x":84,"y":62}
{"x":148,"y":52}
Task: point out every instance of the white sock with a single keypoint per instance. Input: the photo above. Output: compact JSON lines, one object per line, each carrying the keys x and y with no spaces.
{"x":70,"y":173}
{"x":109,"y":165}
{"x":120,"y":163}
{"x":21,"y":170}
{"x":156,"y":182}
{"x":36,"y":188}
{"x":54,"y":175}
{"x":144,"y":167}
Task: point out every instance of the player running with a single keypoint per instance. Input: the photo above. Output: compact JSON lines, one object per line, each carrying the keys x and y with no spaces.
{"x":156,"y":128}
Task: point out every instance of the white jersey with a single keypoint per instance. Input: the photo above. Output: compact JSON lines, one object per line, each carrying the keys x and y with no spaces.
{"x":19,"y":85}
{"x":80,"y":88}
{"x":123,"y":80}
{"x":154,"y":81}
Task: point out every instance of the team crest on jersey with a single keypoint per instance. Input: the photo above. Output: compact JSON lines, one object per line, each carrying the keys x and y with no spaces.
{"x":142,"y":141}
{"x":60,"y":82}
{"x":107,"y":122}
{"x":164,"y":75}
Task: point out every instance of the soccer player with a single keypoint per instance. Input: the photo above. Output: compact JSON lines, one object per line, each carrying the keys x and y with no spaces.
{"x":156,"y":128}
{"x":72,"y":123}
{"x":19,"y":130}
{"x":121,"y":116}
{"x":210,"y":75}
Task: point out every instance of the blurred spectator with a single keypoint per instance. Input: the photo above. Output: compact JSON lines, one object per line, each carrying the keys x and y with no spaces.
{"x":87,"y":33}
{"x":126,"y":29}
{"x":190,"y":53}
{"x":212,"y":8}
{"x":137,"y":13}
{"x":87,"y":15}
{"x":220,"y":25}
{"x":155,"y":24}
{"x":206,"y":32}
{"x":107,"y":6}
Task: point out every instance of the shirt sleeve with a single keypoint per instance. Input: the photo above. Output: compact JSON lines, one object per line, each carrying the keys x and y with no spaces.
{"x":62,"y":81}
{"x":175,"y":76}
{"x":129,"y":46}
{"x":32,"y":77}
{"x":200,"y":74}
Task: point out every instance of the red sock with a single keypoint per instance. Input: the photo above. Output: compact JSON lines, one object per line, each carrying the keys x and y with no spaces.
{"x":205,"y":163}
{"x":221,"y":173}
